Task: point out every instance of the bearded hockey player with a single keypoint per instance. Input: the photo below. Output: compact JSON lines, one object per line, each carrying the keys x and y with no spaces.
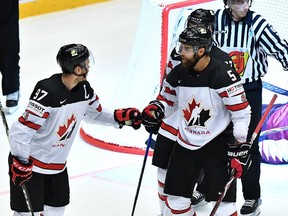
{"x":208,"y":94}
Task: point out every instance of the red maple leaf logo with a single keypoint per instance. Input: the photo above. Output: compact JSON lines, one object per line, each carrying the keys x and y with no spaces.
{"x":63,"y":129}
{"x":188,"y":112}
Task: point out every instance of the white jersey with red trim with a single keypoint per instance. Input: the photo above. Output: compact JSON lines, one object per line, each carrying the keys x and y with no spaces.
{"x":207,"y":102}
{"x":169,"y":126}
{"x":45,"y":132}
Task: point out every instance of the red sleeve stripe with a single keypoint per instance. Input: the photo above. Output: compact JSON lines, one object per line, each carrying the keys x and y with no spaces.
{"x":237,"y":107}
{"x":45,"y":115}
{"x":29,"y":123}
{"x":225,"y":94}
{"x":52,"y":166}
{"x":99,"y":108}
{"x":169,"y":91}
{"x":169,"y":128}
{"x":161,"y":98}
{"x":91,"y":102}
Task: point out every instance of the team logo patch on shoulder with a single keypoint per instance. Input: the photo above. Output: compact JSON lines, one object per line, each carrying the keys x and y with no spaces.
{"x":36,"y":108}
{"x":234,"y":89}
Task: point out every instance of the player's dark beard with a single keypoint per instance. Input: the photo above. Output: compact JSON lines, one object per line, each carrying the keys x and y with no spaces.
{"x":189,"y":65}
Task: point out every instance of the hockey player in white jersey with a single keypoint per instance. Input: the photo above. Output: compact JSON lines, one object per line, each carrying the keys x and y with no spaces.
{"x":213,"y":86}
{"x":167,"y":133}
{"x":41,"y":138}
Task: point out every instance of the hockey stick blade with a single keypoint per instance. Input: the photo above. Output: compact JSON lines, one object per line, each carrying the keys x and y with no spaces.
{"x":24,"y":189}
{"x":254,"y":135}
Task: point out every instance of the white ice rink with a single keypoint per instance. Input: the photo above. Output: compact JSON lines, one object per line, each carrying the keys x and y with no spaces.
{"x":104,"y":183}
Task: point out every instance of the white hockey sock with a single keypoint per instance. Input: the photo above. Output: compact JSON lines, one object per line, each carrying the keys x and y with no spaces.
{"x":179,"y":206}
{"x":53,"y":211}
{"x":161,"y":175}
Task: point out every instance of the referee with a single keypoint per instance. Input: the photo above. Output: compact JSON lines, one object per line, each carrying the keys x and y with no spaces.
{"x":249,"y":39}
{"x":9,"y":52}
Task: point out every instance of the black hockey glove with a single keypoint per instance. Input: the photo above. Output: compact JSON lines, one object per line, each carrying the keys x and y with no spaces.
{"x":128,"y":116}
{"x":240,"y":160}
{"x":19,"y":171}
{"x":152,"y":116}
{"x":153,"y":128}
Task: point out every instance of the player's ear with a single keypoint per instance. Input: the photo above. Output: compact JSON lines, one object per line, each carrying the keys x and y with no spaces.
{"x":201,"y":51}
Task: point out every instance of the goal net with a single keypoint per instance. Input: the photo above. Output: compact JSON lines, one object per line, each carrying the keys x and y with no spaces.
{"x":275,"y":13}
{"x":160,"y":23}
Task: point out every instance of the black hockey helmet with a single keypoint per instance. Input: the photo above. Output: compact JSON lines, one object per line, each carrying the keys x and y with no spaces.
{"x":71,"y":56}
{"x":201,"y":17}
{"x":197,"y":37}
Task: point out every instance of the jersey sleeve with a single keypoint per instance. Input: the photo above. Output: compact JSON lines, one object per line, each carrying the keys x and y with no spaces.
{"x":36,"y":113}
{"x":96,"y":114}
{"x":234,"y":99}
{"x":273,"y":45}
{"x":168,"y":93}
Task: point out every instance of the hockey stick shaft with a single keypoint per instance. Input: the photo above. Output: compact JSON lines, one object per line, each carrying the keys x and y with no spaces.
{"x":254,"y":135}
{"x":262,"y":120}
{"x":24,"y":189}
{"x":274,"y":130}
{"x":142,"y":172}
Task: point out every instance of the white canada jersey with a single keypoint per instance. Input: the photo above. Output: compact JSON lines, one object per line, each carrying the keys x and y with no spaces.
{"x":207,"y":101}
{"x":45,"y":132}
{"x":169,"y":126}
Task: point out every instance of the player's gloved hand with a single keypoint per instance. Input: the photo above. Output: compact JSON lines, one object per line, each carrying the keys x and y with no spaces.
{"x":128,"y":116}
{"x":152,"y":115}
{"x":19,"y":171}
{"x":240,"y":160}
{"x":153,"y":128}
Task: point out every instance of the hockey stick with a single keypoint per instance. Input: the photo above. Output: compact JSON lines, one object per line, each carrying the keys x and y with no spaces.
{"x":24,"y":189}
{"x":274,"y":88}
{"x":253,"y":137}
{"x":274,"y":130}
{"x":142,"y":172}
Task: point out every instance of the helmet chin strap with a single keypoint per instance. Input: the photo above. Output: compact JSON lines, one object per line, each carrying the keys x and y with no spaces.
{"x":83,"y":75}
{"x":197,"y":59}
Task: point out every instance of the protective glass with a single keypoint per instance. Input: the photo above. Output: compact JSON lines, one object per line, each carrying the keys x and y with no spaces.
{"x":187,"y":49}
{"x":91,"y":59}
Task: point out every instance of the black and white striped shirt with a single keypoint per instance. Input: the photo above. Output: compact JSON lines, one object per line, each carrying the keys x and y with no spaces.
{"x":249,"y":42}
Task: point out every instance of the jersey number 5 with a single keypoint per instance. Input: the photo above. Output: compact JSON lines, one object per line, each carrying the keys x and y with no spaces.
{"x":231,"y":75}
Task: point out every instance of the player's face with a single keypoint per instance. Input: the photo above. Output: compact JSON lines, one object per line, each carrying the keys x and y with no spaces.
{"x":239,"y":8}
{"x":187,"y":54}
{"x":82,"y":72}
